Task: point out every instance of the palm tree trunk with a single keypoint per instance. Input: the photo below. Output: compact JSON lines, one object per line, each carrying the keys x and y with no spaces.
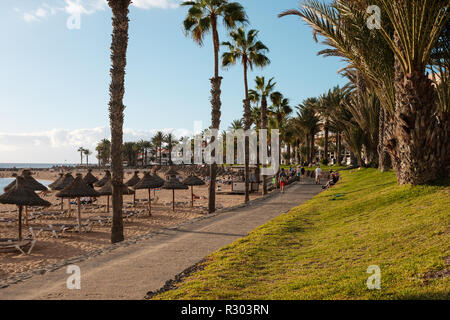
{"x":384,"y":159}
{"x":247,"y":124}
{"x":117,"y":88}
{"x":338,"y":148}
{"x":326,"y":141}
{"x":215,"y":114}
{"x":311,"y":136}
{"x":264,"y":127}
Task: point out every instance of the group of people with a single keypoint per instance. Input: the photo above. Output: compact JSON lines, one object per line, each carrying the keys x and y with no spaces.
{"x":283,"y":176}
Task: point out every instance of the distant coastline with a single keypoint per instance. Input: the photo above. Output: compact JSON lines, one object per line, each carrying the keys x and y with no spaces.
{"x":34,"y":165}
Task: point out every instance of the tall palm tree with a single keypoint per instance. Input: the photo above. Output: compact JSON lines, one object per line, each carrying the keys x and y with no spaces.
{"x":116,"y":90}
{"x":87,"y":153}
{"x":279,"y":111}
{"x":158,"y":140}
{"x":245,"y":48}
{"x":203,"y":16}
{"x":308,"y":119}
{"x":264,"y":89}
{"x":81,"y":151}
{"x":169,"y":139}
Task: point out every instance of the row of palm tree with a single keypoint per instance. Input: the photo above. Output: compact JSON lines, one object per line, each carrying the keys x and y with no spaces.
{"x":391,"y":112}
{"x":86,"y":153}
{"x":392,"y":63}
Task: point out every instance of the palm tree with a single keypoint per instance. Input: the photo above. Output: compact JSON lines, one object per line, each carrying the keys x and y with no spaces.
{"x":251,"y":52}
{"x":170,"y":140}
{"x":203,"y":16}
{"x":279,"y":111}
{"x":416,"y":126}
{"x":264,"y":89}
{"x":421,"y":154}
{"x":81,"y":151}
{"x":158,"y":141}
{"x":87,"y":153}
{"x":237,"y":124}
{"x":117,"y":89}
{"x":308,"y":119}
{"x":103,"y":149}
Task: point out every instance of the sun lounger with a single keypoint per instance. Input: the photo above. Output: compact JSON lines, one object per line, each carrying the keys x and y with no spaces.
{"x":8,"y":221}
{"x":101,"y":220}
{"x":8,"y":245}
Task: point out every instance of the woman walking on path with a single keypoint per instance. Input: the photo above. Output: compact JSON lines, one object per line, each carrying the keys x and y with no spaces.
{"x":283,"y":179}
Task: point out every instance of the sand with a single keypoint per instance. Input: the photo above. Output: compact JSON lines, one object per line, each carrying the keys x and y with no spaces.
{"x":49,"y":250}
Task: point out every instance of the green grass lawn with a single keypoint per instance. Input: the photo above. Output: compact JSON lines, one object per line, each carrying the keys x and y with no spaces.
{"x":322,"y":249}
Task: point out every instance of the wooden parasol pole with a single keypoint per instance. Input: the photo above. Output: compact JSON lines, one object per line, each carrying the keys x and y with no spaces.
{"x":149,"y":202}
{"x":20,"y":223}
{"x":173,"y":199}
{"x":192,"y":196}
{"x":79,"y":214}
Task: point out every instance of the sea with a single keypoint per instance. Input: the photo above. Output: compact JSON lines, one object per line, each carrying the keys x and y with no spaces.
{"x":5,"y":181}
{"x":33,"y":165}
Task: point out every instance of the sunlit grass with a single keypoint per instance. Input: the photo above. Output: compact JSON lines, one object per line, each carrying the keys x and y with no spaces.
{"x":321,"y":249}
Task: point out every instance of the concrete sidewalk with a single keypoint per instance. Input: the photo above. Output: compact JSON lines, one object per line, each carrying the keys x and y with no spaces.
{"x":130,"y":272}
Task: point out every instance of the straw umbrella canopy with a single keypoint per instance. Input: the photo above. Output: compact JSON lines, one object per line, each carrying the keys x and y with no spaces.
{"x":171,"y":173}
{"x":77,"y":189}
{"x":149,"y":182}
{"x":106,"y":190}
{"x":134,"y":180}
{"x":30,"y":182}
{"x":90,"y":179}
{"x":192,"y":181}
{"x":21,"y":196}
{"x":173,"y":184}
{"x":103,"y":180}
{"x":64,"y":183}
{"x":57,"y":181}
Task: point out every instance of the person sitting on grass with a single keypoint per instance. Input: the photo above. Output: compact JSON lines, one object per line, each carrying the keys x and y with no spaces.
{"x":334,"y":179}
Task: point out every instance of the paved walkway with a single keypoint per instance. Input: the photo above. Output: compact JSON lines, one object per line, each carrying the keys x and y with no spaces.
{"x":130,"y":272}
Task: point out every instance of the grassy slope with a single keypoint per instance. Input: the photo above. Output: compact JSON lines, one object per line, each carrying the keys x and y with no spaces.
{"x":321,"y":249}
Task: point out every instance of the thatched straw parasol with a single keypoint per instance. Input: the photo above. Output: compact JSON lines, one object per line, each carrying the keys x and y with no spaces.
{"x":21,"y":196}
{"x":192,"y":181}
{"x":103,"y":180}
{"x":172,"y":172}
{"x":77,"y":189}
{"x":106,"y":190}
{"x":173,"y":184}
{"x":149,"y":182}
{"x":134,"y":180}
{"x":57,"y":181}
{"x":30,"y":182}
{"x":90,"y":179}
{"x":64,"y":183}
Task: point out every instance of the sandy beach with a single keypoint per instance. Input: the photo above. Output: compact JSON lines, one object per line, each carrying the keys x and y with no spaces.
{"x":49,"y":250}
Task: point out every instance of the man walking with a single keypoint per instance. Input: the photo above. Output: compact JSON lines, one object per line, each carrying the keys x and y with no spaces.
{"x":318,"y":173}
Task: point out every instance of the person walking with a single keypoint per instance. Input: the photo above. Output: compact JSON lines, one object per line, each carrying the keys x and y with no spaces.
{"x":283,"y":179}
{"x":318,"y":172}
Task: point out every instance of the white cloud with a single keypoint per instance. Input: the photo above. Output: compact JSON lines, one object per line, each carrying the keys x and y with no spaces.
{"x":87,"y":7}
{"x":59,"y":145}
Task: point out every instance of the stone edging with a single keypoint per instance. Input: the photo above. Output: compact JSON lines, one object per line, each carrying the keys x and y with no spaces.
{"x":56,"y":266}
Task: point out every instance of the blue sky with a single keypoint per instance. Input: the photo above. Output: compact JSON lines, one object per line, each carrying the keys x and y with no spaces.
{"x":55,"y":80}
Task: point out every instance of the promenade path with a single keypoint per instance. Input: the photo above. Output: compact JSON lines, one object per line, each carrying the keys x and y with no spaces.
{"x":130,"y":272}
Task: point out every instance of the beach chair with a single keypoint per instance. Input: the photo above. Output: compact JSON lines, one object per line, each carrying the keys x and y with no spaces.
{"x":8,"y":221}
{"x":9,"y":245}
{"x":101,"y":220}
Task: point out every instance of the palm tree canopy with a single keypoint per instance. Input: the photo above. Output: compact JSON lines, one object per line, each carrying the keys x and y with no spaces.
{"x":198,"y":21}
{"x":264,"y":89}
{"x":245,"y":47}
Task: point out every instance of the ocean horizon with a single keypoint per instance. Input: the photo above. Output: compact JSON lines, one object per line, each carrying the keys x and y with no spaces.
{"x":34,"y":165}
{"x":6,"y":181}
